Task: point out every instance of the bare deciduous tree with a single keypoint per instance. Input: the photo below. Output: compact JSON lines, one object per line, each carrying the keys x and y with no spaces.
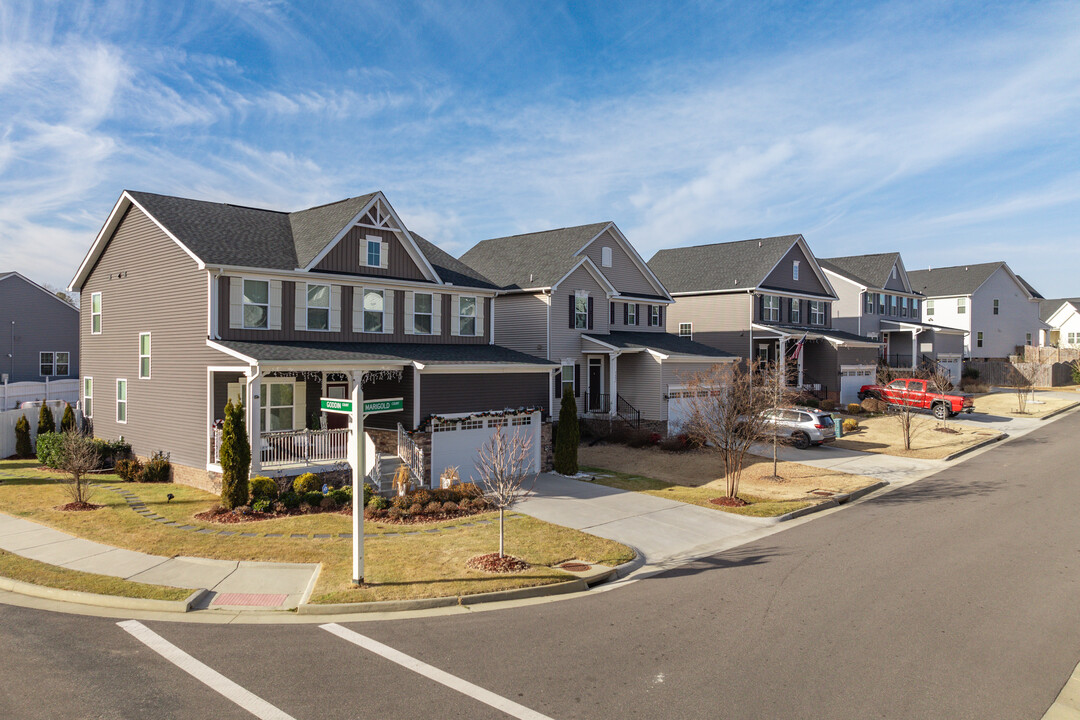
{"x":1021,"y":387}
{"x":505,"y":465}
{"x":908,"y":416}
{"x":940,"y":380}
{"x":726,"y":414}
{"x":79,"y":457}
{"x":773,"y":379}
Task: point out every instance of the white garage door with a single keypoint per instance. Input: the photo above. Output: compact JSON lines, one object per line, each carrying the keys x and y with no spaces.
{"x":953,"y":365}
{"x":678,"y":408}
{"x":456,"y":442}
{"x":853,"y":377}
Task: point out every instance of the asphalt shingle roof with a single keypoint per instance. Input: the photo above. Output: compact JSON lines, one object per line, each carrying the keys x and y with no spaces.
{"x":666,"y":343}
{"x":951,"y":281}
{"x":451,"y":269}
{"x":1030,"y":288}
{"x":870,"y":270}
{"x":720,"y":266}
{"x":827,"y":332}
{"x":1048,"y":307}
{"x":437,"y":354}
{"x":533,"y":260}
{"x":314,"y":228}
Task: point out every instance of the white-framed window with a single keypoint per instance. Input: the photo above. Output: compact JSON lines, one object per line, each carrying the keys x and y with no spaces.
{"x":256,"y":299}
{"x":686,"y":330}
{"x":422,"y":313}
{"x":794,"y":311}
{"x":997,"y":306}
{"x":88,"y":396}
{"x":53,"y":363}
{"x":903,"y":307}
{"x":568,"y":376}
{"x":121,"y":400}
{"x":893,"y":272}
{"x":929,"y":308}
{"x":654,"y":315}
{"x":63,"y":363}
{"x":45,"y":364}
{"x":276,"y":401}
{"x":771,"y":311}
{"x":467,"y":316}
{"x":144,"y":356}
{"x":374,"y":311}
{"x":318,"y":307}
{"x":961,"y":306}
{"x":631,"y":313}
{"x":979,"y":339}
{"x":605,"y":257}
{"x":914,"y":307}
{"x":374,"y":252}
{"x":817,"y":312}
{"x":881,"y":303}
{"x":1074,"y":338}
{"x":892,"y":304}
{"x":868,"y":304}
{"x":581,"y":312}
{"x":95,"y":313}
{"x":1027,"y":339}
{"x":794,"y":269}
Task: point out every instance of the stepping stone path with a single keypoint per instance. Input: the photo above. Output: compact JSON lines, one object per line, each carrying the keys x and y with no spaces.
{"x":139,"y":506}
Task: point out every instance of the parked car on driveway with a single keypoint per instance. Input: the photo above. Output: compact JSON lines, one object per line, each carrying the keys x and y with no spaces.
{"x":914,"y":392}
{"x":802,"y":427}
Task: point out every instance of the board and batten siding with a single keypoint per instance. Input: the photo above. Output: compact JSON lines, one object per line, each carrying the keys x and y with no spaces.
{"x":345,"y":256}
{"x":478,"y":392}
{"x":624,"y":274}
{"x":808,"y":282}
{"x":719,"y":321}
{"x":149,"y":284}
{"x":289,"y":333}
{"x":41,"y":324}
{"x":521,"y":323}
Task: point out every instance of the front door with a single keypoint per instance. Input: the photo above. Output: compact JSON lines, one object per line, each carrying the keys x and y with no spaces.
{"x":596,"y":384}
{"x":337,"y":391}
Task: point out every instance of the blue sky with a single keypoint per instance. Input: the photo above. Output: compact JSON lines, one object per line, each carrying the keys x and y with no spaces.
{"x":946,"y":131}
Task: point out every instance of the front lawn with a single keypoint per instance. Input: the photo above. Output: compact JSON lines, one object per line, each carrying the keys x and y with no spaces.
{"x":18,"y":567}
{"x":694,"y":477}
{"x":398,"y":566}
{"x":881,"y":434}
{"x":1004,"y":404}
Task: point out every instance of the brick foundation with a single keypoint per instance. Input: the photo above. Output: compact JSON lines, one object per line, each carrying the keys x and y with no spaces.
{"x":385,"y":440}
{"x":197,"y":478}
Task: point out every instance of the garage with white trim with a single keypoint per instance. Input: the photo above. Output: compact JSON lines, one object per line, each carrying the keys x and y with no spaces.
{"x":456,"y":440}
{"x":853,"y":377}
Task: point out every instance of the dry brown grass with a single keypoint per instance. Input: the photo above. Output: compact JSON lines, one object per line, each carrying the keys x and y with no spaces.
{"x":39,"y":573}
{"x":1003,"y":404}
{"x":881,"y":434}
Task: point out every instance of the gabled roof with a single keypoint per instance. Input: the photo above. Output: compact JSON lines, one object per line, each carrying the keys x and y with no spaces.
{"x":955,"y":280}
{"x":450,"y":269}
{"x":1048,"y":308}
{"x":872,"y":271}
{"x":313,"y":228}
{"x":1028,"y":286}
{"x":532,"y":260}
{"x":13,"y":275}
{"x":721,"y":267}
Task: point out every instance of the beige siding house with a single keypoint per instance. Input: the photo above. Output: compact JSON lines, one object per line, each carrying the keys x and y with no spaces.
{"x":190,"y":303}
{"x":583,"y":298}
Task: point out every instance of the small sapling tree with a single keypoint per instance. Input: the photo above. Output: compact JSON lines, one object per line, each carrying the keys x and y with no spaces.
{"x":78,"y":458}
{"x":505,"y":465}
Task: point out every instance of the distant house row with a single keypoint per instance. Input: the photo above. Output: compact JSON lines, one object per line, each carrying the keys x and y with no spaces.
{"x":188,"y":303}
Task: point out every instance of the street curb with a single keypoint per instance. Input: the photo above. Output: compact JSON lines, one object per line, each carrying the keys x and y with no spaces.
{"x":1047,"y":416}
{"x":844,"y":498}
{"x":630,"y":566}
{"x":109,"y":601}
{"x":560,"y":588}
{"x":830,"y":503}
{"x":976,"y":446}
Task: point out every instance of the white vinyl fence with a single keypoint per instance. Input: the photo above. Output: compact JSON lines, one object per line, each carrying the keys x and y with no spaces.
{"x":8,"y":418}
{"x":12,"y":395}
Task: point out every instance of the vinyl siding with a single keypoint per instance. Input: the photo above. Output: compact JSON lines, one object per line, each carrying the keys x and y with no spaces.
{"x":639,"y":383}
{"x":785,"y":311}
{"x":624,"y":274}
{"x":848,"y":310}
{"x":345,"y":256}
{"x":521,"y":323}
{"x":566,"y":341}
{"x":41,"y":324}
{"x":1002,"y":332}
{"x":149,"y":284}
{"x":289,"y":333}
{"x":808,"y":282}
{"x":642,"y":320}
{"x":459,"y":393}
{"x":896,"y":284}
{"x":719,"y":321}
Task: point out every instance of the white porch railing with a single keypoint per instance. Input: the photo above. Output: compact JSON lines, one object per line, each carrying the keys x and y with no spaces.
{"x":410,"y":454}
{"x":295,"y":447}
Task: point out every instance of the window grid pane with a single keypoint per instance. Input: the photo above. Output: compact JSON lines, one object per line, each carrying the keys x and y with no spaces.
{"x":373,"y":252}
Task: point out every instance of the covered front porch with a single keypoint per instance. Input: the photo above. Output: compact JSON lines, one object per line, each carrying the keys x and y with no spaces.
{"x":811,"y":357}
{"x":909,"y":346}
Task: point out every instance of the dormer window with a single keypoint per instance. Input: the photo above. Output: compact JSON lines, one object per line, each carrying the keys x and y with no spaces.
{"x":795,"y":270}
{"x":605,"y":257}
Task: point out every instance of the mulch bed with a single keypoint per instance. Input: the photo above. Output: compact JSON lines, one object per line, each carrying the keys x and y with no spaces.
{"x":492,"y":563}
{"x":950,"y":431}
{"x":230,"y":517}
{"x":78,"y":506}
{"x":729,"y":502}
{"x":420,"y":519}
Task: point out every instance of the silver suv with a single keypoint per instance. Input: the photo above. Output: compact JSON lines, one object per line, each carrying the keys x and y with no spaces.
{"x":802,"y":426}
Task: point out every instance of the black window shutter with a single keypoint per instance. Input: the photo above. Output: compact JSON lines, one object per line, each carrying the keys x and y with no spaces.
{"x":577,"y":380}
{"x":558,"y":384}
{"x":590,"y":313}
{"x":626,"y":313}
{"x":572,"y":309}
{"x":660,"y":315}
{"x":611,"y":307}
{"x":761,"y":307}
{"x":648,"y":318}
{"x":637,"y":314}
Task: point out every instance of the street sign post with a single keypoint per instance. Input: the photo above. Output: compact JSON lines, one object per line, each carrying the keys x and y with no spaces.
{"x":336,"y":405}
{"x":372,"y":407}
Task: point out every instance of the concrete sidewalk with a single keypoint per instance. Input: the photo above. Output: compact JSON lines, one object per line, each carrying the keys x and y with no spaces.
{"x":232,"y":584}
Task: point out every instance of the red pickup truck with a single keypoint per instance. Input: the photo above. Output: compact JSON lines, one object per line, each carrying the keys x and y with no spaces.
{"x":914,"y":392}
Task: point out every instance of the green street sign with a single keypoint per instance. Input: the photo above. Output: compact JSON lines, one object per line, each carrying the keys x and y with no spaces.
{"x":335,"y":406}
{"x":383,"y":406}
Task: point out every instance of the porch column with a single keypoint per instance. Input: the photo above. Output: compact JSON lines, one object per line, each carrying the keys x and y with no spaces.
{"x":783,"y":357}
{"x":613,"y":400}
{"x":914,"y":348}
{"x":802,"y":352}
{"x":357,"y":461}
{"x":254,"y":391}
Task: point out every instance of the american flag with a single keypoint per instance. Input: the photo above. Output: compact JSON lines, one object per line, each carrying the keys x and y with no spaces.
{"x":798,"y":347}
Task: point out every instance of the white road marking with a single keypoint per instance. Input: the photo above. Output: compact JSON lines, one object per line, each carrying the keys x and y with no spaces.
{"x":454,"y":683}
{"x":204,"y":673}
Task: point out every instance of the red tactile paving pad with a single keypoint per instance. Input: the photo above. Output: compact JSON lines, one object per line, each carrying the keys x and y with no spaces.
{"x":249,"y":599}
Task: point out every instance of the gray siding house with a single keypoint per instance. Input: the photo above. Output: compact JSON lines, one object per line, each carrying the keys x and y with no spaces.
{"x":876,"y":299}
{"x":582,"y":297}
{"x":39,"y":332}
{"x":189,"y":303}
{"x":769,"y":300}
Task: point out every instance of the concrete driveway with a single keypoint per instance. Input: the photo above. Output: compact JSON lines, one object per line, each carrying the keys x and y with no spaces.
{"x":660,"y":530}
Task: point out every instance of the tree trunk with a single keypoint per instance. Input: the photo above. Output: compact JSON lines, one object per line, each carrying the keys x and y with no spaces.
{"x":501,"y":511}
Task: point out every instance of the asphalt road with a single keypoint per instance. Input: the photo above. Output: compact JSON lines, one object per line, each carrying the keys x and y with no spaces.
{"x":955,"y":597}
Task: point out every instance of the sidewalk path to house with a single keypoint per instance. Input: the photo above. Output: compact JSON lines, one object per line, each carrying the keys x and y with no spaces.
{"x":661,"y":530}
{"x":233,"y":584}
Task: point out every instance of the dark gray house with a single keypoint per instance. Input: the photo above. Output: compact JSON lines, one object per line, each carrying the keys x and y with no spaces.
{"x":187,"y":303}
{"x":766,"y":299}
{"x":39,"y":332}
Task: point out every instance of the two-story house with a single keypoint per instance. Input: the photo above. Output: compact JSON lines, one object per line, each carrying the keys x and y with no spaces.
{"x":584,"y":298}
{"x":876,"y":299}
{"x":995,"y":307}
{"x":39,"y":333}
{"x":188,"y":303}
{"x":1062,"y":318}
{"x":766,"y":299}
